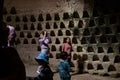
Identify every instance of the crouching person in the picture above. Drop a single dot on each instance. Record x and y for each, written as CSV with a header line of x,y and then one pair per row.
x,y
44,71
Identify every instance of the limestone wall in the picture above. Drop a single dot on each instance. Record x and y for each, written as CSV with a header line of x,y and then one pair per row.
x,y
96,34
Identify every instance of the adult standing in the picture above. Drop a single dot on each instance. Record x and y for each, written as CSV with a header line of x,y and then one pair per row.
x,y
67,47
11,65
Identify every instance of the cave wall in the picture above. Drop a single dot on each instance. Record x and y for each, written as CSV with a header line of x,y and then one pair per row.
x,y
93,26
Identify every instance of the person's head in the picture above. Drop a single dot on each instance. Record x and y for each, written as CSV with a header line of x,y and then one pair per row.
x,y
67,40
4,32
63,55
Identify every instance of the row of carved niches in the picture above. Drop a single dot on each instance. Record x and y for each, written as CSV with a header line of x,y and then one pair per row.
x,y
96,12
100,67
113,29
58,33
85,40
103,39
99,50
107,50
48,25
104,58
66,15
102,30
97,31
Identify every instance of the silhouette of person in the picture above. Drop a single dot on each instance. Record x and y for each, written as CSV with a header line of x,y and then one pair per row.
x,y
11,65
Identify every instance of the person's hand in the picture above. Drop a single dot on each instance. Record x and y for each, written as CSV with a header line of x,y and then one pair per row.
x,y
45,32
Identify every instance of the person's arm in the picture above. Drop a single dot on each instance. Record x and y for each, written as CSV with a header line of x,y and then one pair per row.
x,y
44,37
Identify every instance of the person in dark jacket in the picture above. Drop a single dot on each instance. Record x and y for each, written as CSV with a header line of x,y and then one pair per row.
x,y
11,65
44,71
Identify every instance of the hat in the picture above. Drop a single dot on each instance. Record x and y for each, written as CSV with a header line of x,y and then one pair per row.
x,y
43,57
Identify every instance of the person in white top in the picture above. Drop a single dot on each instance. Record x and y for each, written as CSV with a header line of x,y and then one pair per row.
x,y
11,34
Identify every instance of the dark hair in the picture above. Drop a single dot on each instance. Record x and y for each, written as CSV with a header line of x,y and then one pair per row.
x,y
44,33
65,39
63,55
4,32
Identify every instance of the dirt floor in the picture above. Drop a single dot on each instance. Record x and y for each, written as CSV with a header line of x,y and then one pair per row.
x,y
31,72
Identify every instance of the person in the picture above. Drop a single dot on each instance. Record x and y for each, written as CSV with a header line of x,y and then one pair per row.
x,y
67,47
64,67
11,37
11,65
44,71
44,41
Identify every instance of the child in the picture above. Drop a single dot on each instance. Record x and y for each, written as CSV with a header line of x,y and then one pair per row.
x,y
64,67
44,41
45,73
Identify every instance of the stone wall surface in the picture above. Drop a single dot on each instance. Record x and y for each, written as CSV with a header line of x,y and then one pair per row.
x,y
95,33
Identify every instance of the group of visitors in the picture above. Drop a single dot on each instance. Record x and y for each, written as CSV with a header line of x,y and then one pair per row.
x,y
44,71
12,67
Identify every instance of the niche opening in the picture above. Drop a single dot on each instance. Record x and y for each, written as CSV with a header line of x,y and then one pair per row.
x,y
25,27
55,25
95,58
79,49
100,50
90,49
71,24
85,14
17,28
90,66
32,18
48,17
75,14
25,41
80,24
111,68
21,35
13,10
39,27
99,67
52,33
110,50
62,25
33,41
56,17
53,48
117,59
40,17
47,25
65,16
57,41
60,33
25,19
105,58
